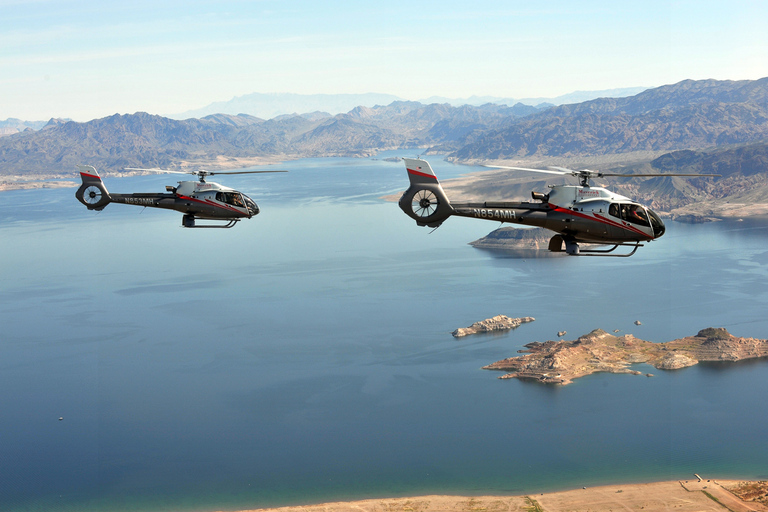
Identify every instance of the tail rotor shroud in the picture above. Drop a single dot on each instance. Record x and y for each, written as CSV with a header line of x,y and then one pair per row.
x,y
92,194
424,203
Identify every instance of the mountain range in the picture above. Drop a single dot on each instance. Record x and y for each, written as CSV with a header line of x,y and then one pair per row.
x,y
689,114
145,140
272,105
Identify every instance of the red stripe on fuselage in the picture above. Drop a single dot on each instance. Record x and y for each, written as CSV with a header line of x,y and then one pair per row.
x,y
90,176
423,174
600,218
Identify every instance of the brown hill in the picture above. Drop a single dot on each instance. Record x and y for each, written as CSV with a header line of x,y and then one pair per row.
x,y
689,114
144,140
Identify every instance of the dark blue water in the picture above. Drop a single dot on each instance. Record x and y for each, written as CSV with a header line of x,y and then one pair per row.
x,y
306,355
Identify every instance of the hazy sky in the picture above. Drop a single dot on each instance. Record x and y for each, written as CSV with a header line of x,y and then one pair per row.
x,y
90,59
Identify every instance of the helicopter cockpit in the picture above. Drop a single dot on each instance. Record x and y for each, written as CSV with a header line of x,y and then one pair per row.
x,y
232,198
638,214
239,200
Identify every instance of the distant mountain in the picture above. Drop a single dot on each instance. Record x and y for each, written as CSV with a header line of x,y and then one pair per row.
x,y
541,102
13,125
689,114
267,106
238,120
144,140
136,140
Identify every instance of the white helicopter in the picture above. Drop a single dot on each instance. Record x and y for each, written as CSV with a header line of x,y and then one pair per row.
x,y
577,214
195,199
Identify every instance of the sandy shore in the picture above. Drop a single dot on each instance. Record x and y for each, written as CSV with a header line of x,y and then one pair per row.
x,y
683,496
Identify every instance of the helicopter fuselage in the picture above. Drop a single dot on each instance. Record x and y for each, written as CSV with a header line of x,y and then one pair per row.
x,y
585,214
577,214
195,199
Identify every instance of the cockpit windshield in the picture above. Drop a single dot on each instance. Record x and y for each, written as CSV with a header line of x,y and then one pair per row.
x,y
657,224
633,213
253,209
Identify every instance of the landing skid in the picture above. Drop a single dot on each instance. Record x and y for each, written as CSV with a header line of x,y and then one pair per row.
x,y
188,221
572,248
604,252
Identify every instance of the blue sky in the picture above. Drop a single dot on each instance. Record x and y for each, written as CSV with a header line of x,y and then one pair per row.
x,y
89,59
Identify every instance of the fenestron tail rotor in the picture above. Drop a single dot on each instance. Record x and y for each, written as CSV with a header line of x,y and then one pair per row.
x,y
424,203
92,194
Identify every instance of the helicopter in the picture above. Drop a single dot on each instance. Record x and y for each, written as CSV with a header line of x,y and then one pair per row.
x,y
197,200
577,214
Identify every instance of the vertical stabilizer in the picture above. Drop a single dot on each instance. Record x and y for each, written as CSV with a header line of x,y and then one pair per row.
x,y
92,193
424,201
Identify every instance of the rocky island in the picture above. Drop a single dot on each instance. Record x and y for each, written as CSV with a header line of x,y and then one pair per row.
x,y
497,323
559,362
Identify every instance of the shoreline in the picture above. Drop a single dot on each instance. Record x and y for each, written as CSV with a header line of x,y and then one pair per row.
x,y
71,179
694,495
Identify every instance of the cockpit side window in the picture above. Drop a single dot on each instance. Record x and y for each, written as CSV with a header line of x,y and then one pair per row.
x,y
232,198
633,213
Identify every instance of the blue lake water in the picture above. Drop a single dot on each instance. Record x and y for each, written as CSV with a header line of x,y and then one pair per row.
x,y
305,355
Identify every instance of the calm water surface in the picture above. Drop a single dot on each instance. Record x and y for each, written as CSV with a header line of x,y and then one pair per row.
x,y
306,355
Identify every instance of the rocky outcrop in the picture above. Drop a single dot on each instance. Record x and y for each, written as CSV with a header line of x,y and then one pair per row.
x,y
559,362
675,361
497,323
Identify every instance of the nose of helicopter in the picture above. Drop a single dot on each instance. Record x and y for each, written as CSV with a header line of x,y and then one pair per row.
x,y
253,208
657,224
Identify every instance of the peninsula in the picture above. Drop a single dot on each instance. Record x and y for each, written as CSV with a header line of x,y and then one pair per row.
x,y
560,362
497,323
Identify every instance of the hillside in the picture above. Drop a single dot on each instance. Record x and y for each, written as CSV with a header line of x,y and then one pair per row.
x,y
686,115
145,140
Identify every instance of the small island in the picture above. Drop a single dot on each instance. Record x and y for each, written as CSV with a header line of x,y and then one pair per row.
x,y
497,323
560,362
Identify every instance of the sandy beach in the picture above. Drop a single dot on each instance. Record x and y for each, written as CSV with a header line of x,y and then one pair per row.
x,y
684,496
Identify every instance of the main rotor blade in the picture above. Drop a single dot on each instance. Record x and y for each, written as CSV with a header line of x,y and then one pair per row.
x,y
598,174
571,171
157,170
560,173
212,173
653,175
196,173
